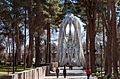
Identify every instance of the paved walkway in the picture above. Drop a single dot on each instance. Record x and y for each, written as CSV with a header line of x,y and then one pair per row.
x,y
75,73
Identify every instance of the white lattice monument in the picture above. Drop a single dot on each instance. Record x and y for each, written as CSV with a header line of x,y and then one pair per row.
x,y
70,50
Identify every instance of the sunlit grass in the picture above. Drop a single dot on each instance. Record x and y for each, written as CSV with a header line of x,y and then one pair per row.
x,y
5,70
4,73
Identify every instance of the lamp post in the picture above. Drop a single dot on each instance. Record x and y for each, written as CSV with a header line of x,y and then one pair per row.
x,y
101,58
13,53
13,16
25,41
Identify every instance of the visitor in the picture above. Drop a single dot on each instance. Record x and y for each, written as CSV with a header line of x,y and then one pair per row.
x,y
70,67
64,72
88,73
57,72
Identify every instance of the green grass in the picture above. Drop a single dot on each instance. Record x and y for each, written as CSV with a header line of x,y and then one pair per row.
x,y
5,70
4,73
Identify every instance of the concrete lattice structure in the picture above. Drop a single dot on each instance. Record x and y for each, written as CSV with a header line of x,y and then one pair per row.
x,y
70,50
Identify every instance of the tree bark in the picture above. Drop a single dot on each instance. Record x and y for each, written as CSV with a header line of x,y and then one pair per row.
x,y
30,50
91,15
31,40
114,41
17,36
92,46
38,55
87,46
108,53
18,47
92,21
48,51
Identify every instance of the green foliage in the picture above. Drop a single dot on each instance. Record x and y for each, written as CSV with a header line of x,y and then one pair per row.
x,y
46,11
53,8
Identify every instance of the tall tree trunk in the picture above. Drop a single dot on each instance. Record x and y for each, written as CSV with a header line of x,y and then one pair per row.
x,y
30,50
17,38
107,50
38,55
108,54
114,41
91,15
18,47
92,21
48,51
92,46
87,46
31,41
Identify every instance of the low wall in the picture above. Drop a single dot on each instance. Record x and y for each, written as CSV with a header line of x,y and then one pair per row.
x,y
37,73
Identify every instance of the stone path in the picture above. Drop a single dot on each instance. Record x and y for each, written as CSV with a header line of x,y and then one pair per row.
x,y
75,73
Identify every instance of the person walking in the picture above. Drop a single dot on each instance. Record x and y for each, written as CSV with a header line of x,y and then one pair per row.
x,y
88,73
70,67
57,72
64,72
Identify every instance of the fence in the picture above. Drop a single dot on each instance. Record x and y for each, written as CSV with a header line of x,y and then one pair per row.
x,y
37,73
